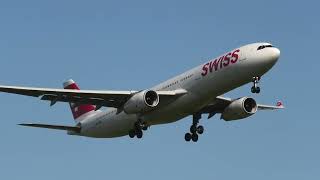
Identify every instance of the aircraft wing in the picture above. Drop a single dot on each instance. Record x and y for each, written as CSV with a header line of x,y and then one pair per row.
x,y
220,103
99,98
268,107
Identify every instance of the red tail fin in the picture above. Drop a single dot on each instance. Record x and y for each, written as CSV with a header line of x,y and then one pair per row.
x,y
79,110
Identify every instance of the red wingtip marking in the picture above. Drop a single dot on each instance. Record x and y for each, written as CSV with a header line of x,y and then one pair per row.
x,y
279,103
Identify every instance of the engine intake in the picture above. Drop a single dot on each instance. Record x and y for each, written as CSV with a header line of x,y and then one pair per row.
x,y
239,109
141,102
151,98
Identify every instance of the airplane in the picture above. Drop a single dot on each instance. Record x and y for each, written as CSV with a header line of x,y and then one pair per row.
x,y
193,93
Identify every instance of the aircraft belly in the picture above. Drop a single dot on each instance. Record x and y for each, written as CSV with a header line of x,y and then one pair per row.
x,y
113,126
182,107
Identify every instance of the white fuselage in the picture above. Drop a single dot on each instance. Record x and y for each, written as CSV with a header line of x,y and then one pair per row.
x,y
202,83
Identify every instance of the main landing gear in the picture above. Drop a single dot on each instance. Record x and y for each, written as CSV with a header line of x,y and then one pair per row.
x,y
195,130
137,130
255,88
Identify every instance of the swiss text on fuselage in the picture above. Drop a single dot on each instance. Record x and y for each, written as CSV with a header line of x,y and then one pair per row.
x,y
221,62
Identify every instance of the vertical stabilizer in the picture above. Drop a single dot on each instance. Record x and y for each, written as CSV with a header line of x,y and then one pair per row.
x,y
80,112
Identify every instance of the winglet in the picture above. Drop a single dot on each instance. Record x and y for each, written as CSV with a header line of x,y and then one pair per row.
x,y
280,104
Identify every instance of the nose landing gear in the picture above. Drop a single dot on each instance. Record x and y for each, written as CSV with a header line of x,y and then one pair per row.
x,y
255,88
195,130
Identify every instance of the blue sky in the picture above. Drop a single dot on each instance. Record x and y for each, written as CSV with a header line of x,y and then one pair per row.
x,y
122,45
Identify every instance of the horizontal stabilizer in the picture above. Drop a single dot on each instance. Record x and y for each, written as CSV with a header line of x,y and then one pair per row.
x,y
57,127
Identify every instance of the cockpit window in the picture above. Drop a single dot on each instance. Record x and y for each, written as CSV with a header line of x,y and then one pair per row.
x,y
264,46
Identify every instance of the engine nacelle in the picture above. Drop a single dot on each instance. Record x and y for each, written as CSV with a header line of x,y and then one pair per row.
x,y
141,102
239,109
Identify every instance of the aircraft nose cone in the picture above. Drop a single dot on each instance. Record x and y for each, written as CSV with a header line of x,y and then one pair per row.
x,y
274,55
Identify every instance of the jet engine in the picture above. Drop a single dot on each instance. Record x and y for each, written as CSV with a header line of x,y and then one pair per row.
x,y
141,102
239,109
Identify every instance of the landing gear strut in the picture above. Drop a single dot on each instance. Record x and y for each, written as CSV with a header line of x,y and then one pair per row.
x,y
255,88
195,130
137,130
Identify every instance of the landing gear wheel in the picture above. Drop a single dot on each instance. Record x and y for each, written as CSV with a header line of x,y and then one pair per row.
x,y
132,133
258,90
200,129
187,137
139,134
145,128
194,137
253,89
193,128
137,125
